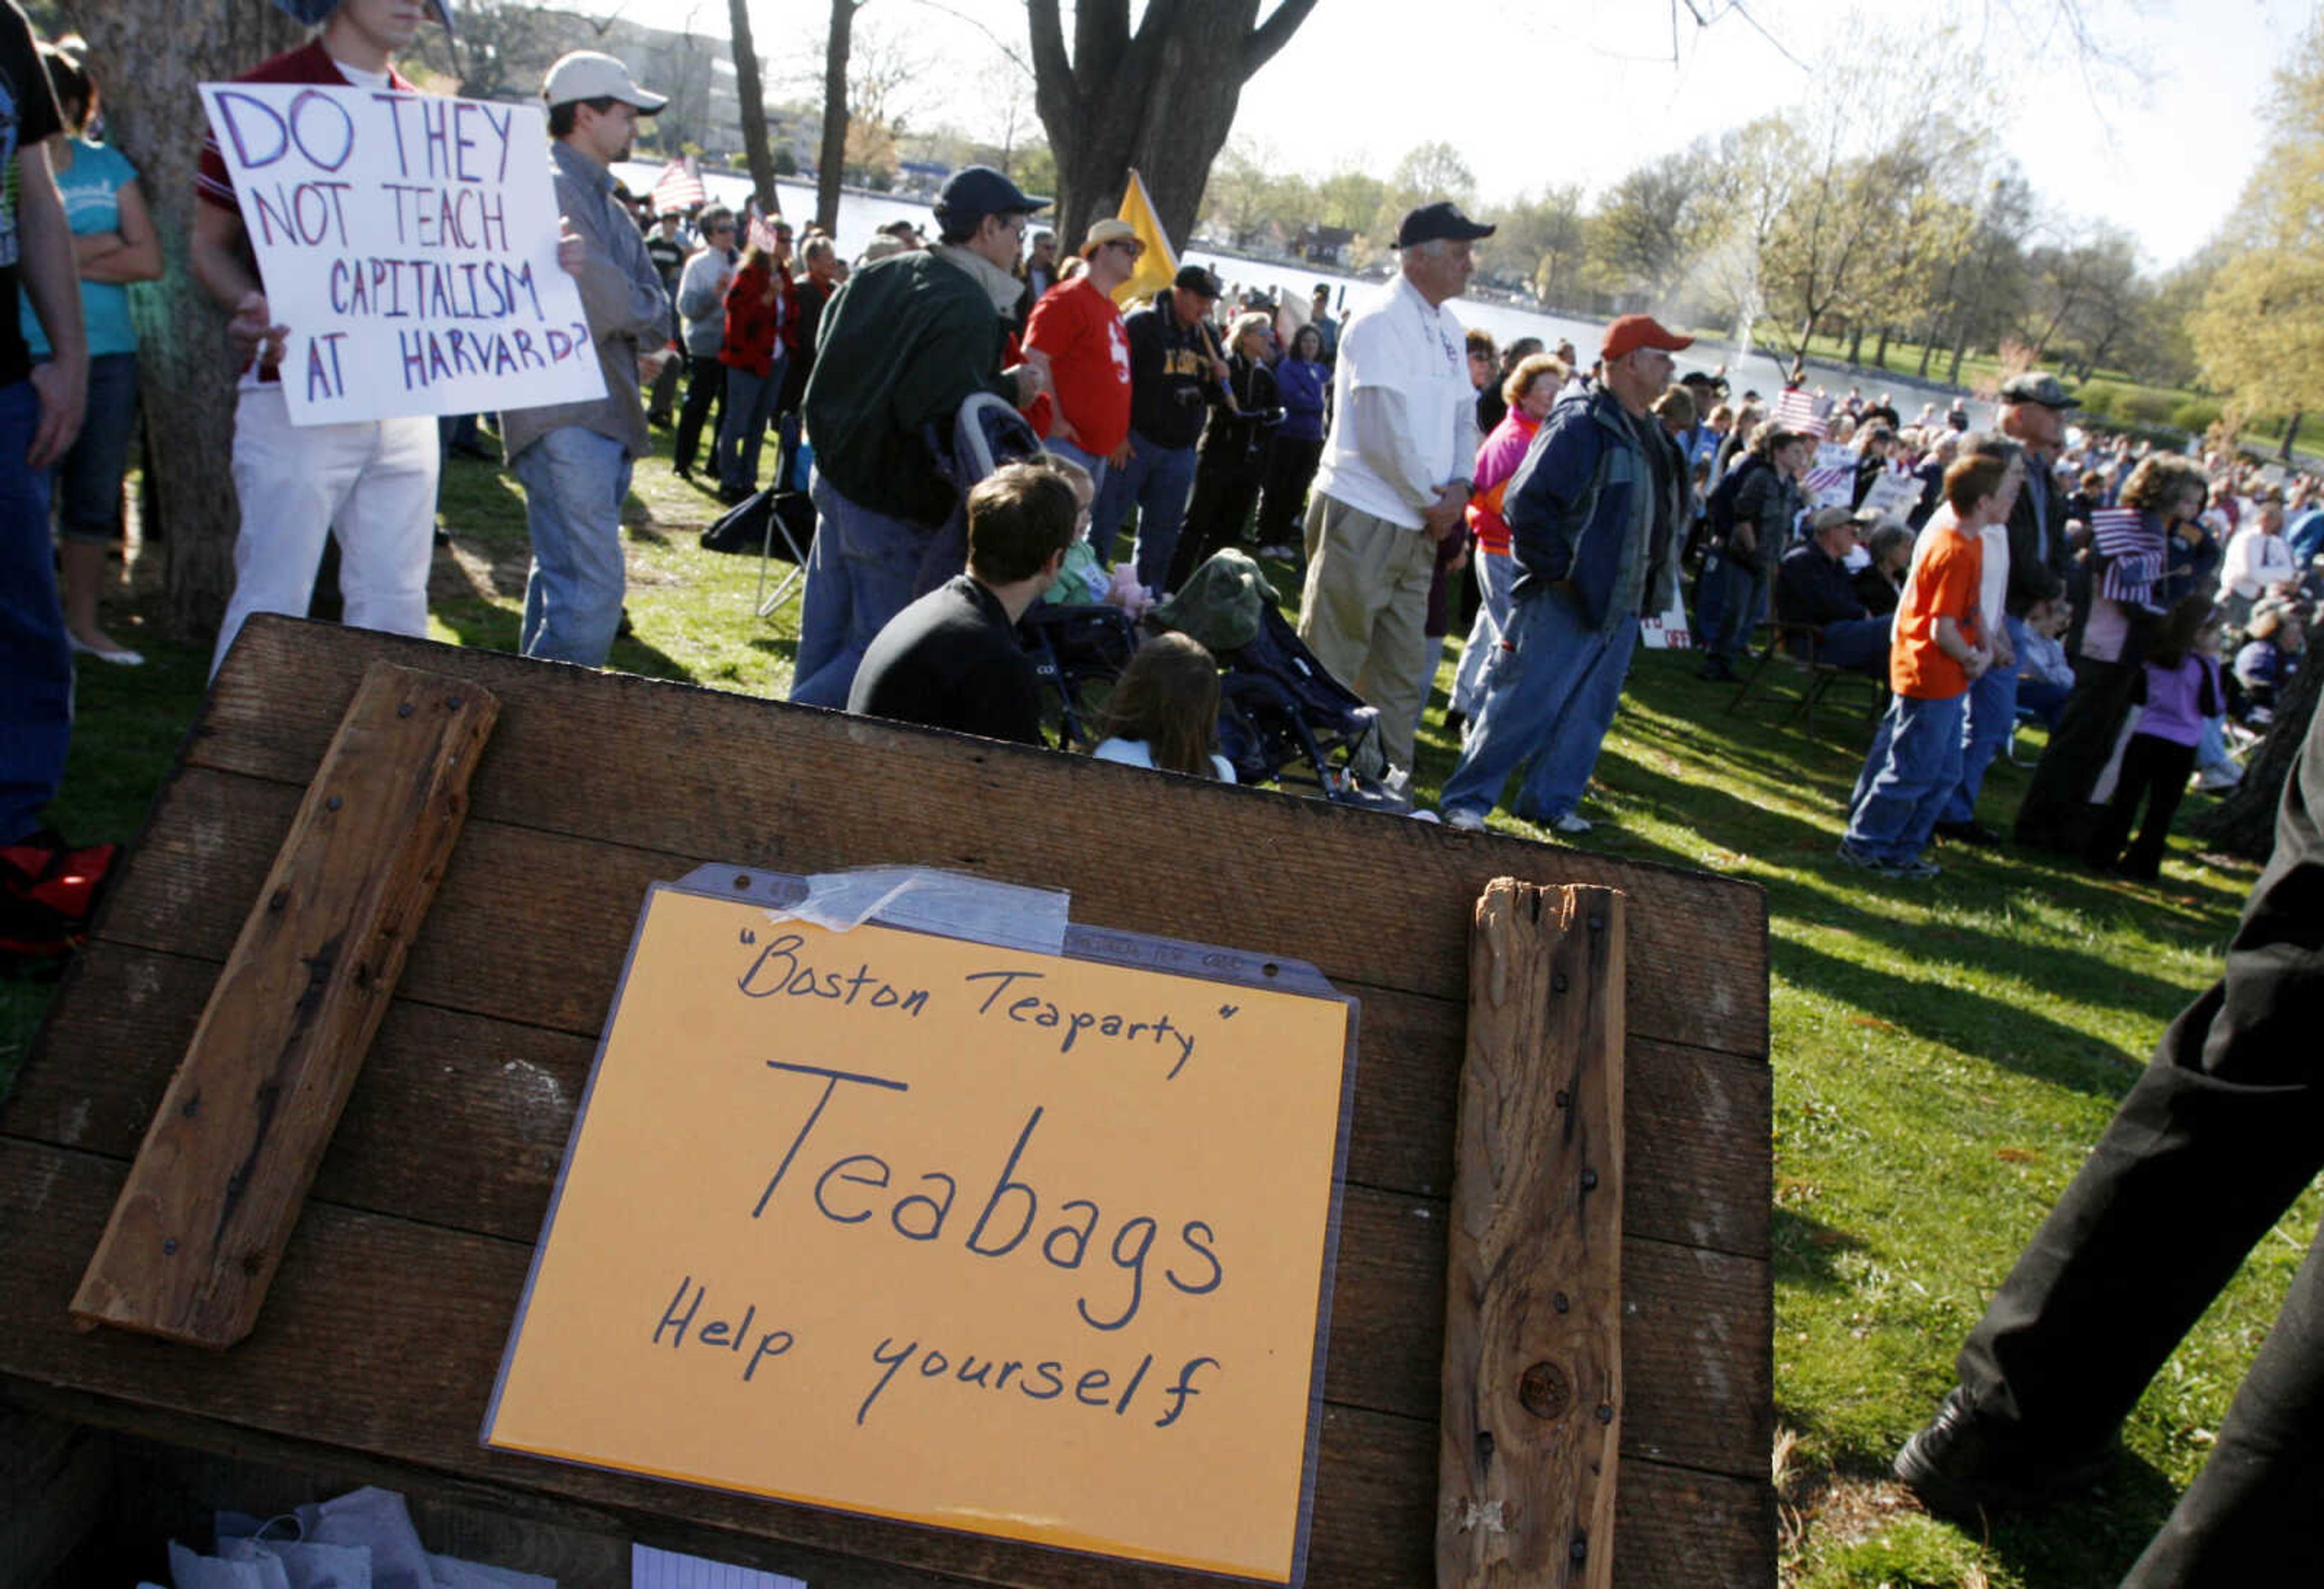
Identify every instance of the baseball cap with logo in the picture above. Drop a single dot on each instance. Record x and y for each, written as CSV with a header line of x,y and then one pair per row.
x,y
1441,220
586,74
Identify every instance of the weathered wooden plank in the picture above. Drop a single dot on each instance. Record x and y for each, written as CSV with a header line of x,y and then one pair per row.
x,y
380,1341
1534,1370
194,1241
498,1098
497,1094
711,776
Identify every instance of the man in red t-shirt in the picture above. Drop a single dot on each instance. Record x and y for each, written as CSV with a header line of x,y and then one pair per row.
x,y
375,479
1077,327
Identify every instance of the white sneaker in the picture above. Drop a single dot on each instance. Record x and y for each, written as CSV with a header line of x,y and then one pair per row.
x,y
1569,823
1463,821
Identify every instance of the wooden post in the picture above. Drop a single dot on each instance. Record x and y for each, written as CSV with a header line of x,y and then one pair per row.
x,y
1532,1411
201,1222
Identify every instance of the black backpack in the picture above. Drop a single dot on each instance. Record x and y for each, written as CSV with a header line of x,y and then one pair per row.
x,y
1719,508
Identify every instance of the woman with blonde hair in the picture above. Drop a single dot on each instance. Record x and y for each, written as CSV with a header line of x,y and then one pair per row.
x,y
1530,391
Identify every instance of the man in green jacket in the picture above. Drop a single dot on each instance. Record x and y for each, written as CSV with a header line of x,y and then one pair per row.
x,y
903,343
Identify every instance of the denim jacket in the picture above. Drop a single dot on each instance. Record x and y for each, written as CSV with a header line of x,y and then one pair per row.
x,y
1570,505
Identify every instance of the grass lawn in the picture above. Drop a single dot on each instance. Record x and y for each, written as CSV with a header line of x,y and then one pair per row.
x,y
1944,1053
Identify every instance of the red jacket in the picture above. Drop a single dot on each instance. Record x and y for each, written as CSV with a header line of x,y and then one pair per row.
x,y
753,322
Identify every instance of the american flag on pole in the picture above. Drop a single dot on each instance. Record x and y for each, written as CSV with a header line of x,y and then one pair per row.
x,y
1797,410
2133,551
760,232
678,188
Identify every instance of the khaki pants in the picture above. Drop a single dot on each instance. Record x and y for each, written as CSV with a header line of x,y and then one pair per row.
x,y
1363,610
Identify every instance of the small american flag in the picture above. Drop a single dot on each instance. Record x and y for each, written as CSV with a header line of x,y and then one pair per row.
x,y
761,233
1828,488
678,188
2133,551
1797,410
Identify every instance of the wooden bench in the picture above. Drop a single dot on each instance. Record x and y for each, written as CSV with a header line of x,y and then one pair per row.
x,y
375,1351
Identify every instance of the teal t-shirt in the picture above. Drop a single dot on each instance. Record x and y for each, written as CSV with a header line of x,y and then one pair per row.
x,y
92,194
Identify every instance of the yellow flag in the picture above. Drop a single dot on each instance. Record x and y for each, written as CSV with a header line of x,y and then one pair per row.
x,y
1159,264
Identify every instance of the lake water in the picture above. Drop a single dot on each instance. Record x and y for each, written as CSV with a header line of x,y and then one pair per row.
x,y
862,213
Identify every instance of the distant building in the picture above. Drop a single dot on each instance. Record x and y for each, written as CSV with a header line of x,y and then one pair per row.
x,y
1319,244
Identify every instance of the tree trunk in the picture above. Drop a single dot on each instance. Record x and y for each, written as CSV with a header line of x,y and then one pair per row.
x,y
1856,344
831,163
2290,435
149,54
2244,823
1960,347
750,94
1880,354
1928,348
1161,101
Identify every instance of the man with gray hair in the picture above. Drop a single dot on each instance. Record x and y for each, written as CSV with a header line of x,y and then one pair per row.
x,y
1395,475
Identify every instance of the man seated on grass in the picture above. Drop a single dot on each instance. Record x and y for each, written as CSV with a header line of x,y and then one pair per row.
x,y
1938,652
1812,586
951,659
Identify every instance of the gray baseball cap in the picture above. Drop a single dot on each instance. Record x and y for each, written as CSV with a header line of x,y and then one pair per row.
x,y
2038,387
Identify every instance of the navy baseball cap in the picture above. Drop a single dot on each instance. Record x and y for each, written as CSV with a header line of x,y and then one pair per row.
x,y
1441,219
973,192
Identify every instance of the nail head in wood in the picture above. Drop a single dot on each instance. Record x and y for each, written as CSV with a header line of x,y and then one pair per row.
x,y
332,804
1544,1391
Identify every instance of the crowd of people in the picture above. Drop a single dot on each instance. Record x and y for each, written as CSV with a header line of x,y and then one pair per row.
x,y
1422,481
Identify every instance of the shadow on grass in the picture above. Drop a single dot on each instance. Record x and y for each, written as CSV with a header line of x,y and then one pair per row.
x,y
1807,1250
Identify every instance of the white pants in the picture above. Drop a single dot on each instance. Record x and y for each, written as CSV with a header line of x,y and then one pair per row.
x,y
373,483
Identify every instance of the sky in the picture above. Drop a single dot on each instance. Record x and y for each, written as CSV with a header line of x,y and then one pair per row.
x,y
2162,152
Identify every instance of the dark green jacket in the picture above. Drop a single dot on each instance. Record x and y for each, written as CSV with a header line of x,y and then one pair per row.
x,y
903,343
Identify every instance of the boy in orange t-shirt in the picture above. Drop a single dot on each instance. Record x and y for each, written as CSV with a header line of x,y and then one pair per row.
x,y
1938,650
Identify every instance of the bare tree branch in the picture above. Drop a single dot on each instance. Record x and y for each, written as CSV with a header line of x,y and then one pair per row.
x,y
1271,35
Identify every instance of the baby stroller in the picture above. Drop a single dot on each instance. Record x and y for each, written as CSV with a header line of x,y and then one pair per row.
x,y
1282,718
1078,650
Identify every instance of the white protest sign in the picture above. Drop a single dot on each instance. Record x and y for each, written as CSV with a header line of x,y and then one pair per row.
x,y
1894,494
1666,630
409,241
1830,481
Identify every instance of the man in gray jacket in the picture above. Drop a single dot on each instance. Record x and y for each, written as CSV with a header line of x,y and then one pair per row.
x,y
702,312
573,459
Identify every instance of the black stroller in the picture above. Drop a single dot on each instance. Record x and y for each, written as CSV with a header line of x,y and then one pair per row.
x,y
1282,718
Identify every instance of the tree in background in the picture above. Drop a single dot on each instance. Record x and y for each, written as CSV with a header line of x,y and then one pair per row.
x,y
1161,99
149,54
750,94
1650,225
1539,242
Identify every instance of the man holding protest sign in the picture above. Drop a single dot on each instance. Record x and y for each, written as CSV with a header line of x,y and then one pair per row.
x,y
374,478
573,459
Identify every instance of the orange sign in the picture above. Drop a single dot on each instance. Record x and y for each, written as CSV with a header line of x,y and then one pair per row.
x,y
1016,1244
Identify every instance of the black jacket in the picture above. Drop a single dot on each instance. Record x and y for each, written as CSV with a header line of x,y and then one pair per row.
x,y
1170,375
2034,576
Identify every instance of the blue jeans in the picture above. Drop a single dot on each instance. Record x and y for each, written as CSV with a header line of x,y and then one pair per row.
x,y
574,481
87,483
1551,689
1911,769
1158,479
1089,461
742,426
860,573
1857,643
1727,601
1992,719
36,675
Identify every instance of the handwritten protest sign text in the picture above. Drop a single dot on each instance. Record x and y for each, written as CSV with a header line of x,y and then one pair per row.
x,y
940,1231
409,241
